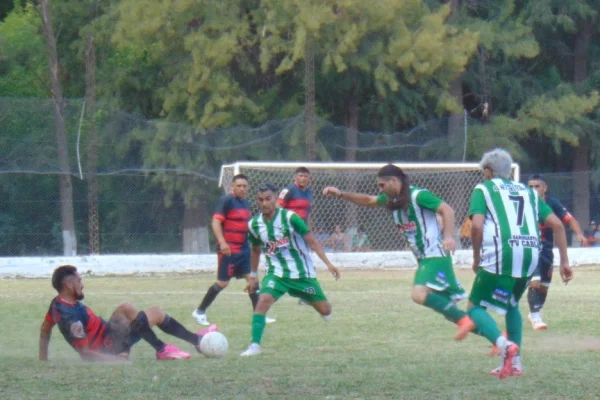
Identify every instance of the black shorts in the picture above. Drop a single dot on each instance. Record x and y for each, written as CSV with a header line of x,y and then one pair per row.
x,y
543,272
233,266
118,337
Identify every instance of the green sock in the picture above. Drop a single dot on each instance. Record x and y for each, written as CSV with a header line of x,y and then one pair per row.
x,y
486,326
514,326
444,306
258,326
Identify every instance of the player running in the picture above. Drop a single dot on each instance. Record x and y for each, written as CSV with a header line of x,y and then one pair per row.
x,y
285,239
297,196
505,234
230,227
414,211
542,277
98,340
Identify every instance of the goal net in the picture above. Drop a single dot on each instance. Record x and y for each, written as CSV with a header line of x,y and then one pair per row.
x,y
451,182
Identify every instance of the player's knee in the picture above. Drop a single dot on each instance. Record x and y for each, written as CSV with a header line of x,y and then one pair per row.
x,y
265,301
542,289
128,310
419,294
325,310
222,284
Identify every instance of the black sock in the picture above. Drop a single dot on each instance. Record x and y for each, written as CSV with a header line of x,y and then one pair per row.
x,y
210,296
254,297
142,328
174,328
542,298
534,300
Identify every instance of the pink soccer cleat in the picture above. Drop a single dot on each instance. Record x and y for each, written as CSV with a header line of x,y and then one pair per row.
x,y
211,328
171,352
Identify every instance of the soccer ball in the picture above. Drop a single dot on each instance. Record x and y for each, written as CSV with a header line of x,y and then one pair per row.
x,y
214,345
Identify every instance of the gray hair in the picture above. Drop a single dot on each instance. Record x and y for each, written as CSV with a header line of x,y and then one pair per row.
x,y
499,161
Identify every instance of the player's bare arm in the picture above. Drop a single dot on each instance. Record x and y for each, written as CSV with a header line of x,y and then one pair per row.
x,y
45,334
477,238
560,240
254,261
314,244
575,227
361,199
217,228
447,214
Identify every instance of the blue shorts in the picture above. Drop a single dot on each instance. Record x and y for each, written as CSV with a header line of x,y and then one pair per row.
x,y
118,337
543,272
233,266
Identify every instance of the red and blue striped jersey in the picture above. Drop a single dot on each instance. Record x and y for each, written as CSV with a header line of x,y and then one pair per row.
x,y
297,200
234,214
78,324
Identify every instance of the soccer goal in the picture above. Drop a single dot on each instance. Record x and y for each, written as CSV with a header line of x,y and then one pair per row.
x,y
453,182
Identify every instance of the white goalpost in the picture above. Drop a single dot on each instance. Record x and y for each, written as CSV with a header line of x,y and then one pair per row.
x,y
452,182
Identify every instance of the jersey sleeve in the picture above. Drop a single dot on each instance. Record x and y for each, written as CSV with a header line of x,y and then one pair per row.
x,y
284,197
252,235
48,317
382,199
543,210
428,200
222,208
299,225
560,210
477,204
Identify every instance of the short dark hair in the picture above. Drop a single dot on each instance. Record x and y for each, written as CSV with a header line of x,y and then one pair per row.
x,y
59,275
390,170
537,177
302,170
264,187
239,176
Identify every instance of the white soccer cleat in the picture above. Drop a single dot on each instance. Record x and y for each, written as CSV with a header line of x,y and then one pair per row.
x,y
536,322
252,350
270,320
200,318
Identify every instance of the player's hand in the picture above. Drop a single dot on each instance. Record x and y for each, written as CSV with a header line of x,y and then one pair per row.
x,y
566,273
583,240
334,271
251,285
332,191
225,249
449,244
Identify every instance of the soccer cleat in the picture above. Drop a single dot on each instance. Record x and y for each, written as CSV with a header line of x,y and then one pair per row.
x,y
517,370
270,320
465,326
200,318
536,322
252,350
509,351
170,352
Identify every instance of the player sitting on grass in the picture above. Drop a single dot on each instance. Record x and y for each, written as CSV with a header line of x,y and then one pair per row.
x,y
414,212
284,238
98,340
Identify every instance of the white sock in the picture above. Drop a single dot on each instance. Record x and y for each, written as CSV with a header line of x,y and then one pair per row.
x,y
535,315
501,342
327,318
517,360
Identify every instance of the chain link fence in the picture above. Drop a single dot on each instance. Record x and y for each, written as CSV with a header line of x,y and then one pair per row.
x,y
158,180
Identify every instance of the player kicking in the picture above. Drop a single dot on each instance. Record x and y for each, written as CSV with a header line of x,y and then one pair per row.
x,y
505,236
230,227
284,238
98,340
414,212
542,277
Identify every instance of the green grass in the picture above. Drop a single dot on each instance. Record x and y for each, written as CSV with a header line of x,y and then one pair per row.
x,y
379,345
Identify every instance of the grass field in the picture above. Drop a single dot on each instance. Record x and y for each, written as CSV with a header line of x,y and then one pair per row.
x,y
379,345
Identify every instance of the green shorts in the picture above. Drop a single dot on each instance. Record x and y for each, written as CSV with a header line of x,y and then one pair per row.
x,y
498,292
437,274
307,289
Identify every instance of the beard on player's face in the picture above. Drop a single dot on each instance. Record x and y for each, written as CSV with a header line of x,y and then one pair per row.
x,y
79,296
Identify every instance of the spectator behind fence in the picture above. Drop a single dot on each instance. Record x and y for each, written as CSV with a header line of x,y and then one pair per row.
x,y
338,240
593,235
361,241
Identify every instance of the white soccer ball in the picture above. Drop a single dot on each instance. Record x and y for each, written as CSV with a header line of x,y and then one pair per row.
x,y
214,345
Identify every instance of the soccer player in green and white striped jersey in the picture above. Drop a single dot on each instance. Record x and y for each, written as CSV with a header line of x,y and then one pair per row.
x,y
285,238
506,243
414,211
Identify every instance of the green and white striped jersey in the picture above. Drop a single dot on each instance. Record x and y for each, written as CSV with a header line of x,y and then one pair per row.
x,y
418,223
286,253
511,236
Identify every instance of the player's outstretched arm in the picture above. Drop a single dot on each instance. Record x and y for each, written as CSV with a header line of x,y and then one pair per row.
x,y
560,240
45,333
254,261
314,244
361,199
